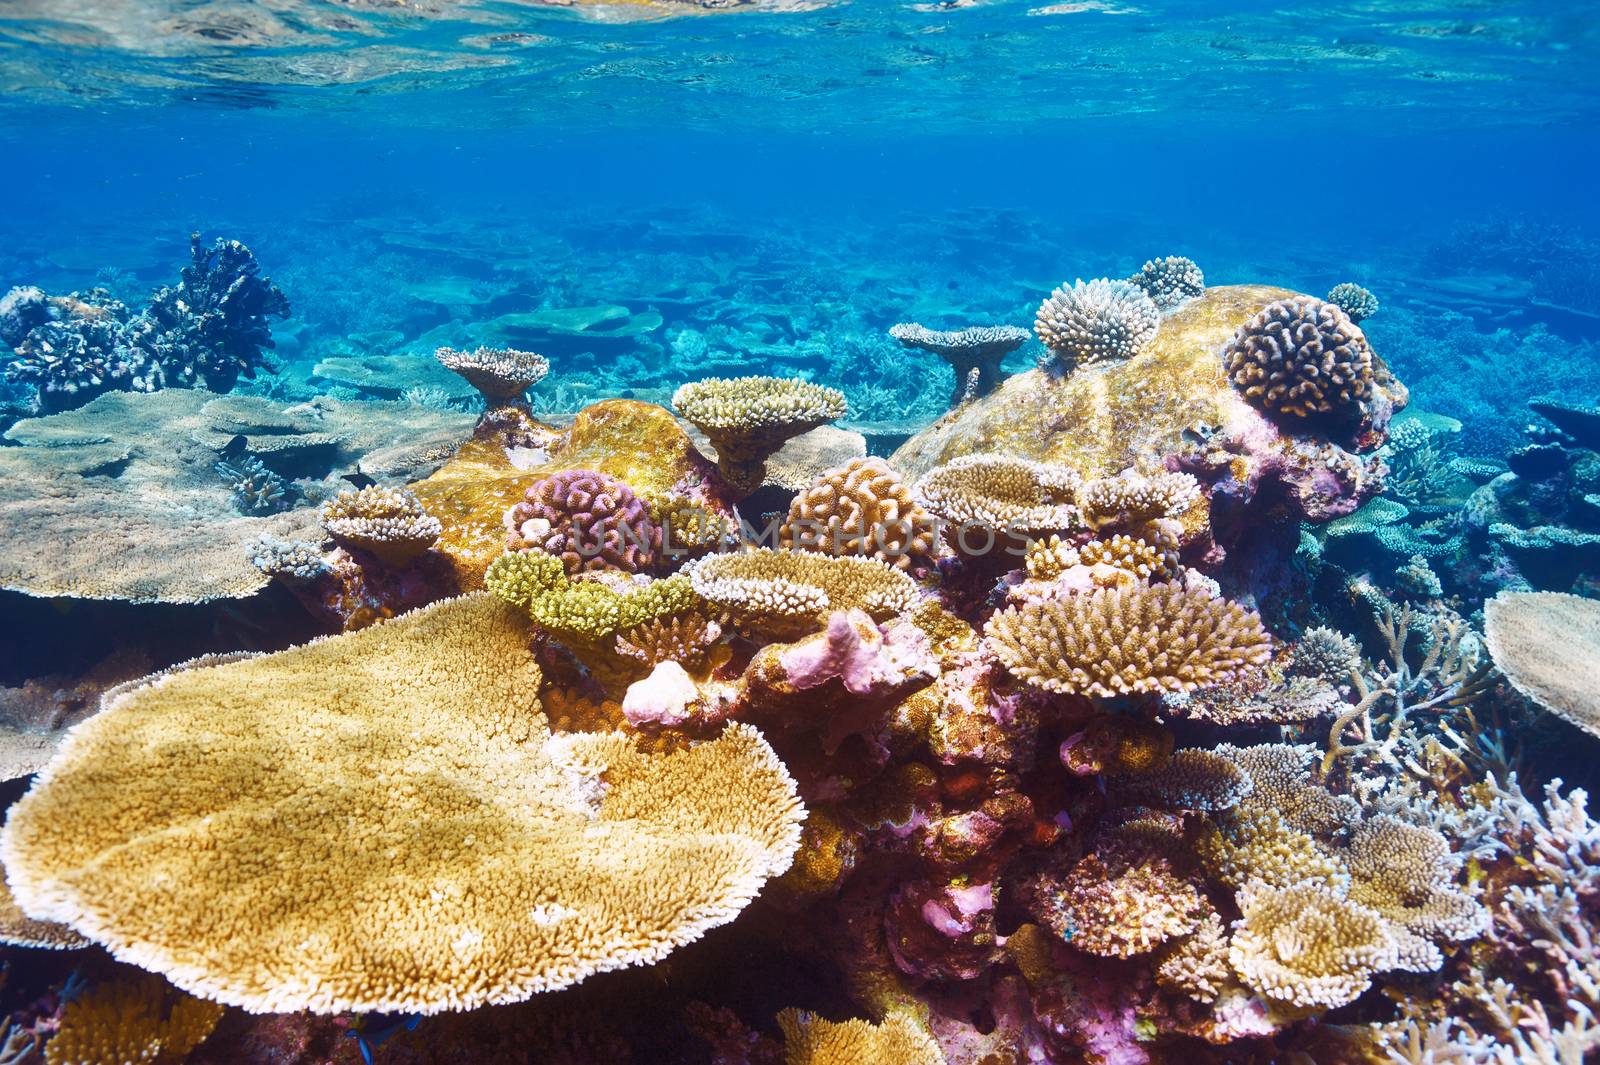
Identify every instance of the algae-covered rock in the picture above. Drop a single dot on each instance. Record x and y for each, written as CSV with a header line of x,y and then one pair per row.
x,y
1108,416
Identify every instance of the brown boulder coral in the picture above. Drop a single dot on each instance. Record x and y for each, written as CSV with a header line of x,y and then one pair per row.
x,y
501,375
389,523
749,418
1302,359
1115,641
383,821
860,508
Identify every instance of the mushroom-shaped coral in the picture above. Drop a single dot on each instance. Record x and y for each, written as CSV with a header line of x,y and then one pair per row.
x,y
979,349
860,508
587,519
383,821
788,593
1302,359
501,375
1170,280
1115,641
749,418
998,493
1095,320
1353,300
389,523
1132,498
1548,646
1307,948
899,1040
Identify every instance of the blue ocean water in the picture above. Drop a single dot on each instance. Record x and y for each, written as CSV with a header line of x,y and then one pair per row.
x,y
652,193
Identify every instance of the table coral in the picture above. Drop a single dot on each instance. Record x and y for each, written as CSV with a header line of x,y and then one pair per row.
x,y
975,353
791,592
501,375
587,519
1132,498
749,418
265,793
1115,642
1000,494
1089,321
861,508
1548,646
388,523
1307,948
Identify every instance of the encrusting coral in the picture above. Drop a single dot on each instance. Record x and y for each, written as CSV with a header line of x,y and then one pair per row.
x,y
264,794
389,523
749,418
1090,321
975,354
501,375
1302,358
1170,280
587,519
861,508
1115,641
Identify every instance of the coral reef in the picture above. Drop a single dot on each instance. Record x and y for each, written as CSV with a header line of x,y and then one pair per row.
x,y
388,523
501,375
1548,646
1095,320
1302,359
788,592
975,353
129,1020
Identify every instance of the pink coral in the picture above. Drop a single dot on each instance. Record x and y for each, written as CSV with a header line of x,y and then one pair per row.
x,y
589,520
865,659
942,931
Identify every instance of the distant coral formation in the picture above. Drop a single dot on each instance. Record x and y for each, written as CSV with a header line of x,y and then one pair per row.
x,y
1170,280
974,353
1353,300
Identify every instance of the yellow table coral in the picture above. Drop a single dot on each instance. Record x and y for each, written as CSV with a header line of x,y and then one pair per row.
x,y
383,821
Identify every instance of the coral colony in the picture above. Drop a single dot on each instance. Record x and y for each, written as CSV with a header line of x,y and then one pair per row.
x,y
1137,710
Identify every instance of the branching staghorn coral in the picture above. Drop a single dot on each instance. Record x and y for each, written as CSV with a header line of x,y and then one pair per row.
x,y
589,520
1353,300
1170,280
788,593
861,508
498,860
1197,964
501,375
1118,642
129,1020
1390,691
1139,560
686,639
256,489
975,353
1302,358
1306,948
389,523
1094,320
749,418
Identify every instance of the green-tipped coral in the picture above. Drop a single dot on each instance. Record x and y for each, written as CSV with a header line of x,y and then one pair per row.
x,y
748,418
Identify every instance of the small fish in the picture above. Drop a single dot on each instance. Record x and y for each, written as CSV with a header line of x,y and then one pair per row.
x,y
377,1028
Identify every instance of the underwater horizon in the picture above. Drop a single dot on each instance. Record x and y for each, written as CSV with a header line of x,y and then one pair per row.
x,y
799,532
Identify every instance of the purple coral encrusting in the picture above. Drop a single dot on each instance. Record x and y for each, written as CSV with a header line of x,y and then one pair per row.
x,y
590,520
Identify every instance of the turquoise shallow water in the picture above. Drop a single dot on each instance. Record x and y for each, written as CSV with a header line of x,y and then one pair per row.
x,y
999,859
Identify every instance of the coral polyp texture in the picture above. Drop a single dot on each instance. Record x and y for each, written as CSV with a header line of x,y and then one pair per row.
x,y
1117,641
501,375
1305,947
1548,645
899,1040
1001,492
749,418
861,508
1302,358
1132,498
1353,300
975,353
513,861
389,523
1170,280
587,519
1090,321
